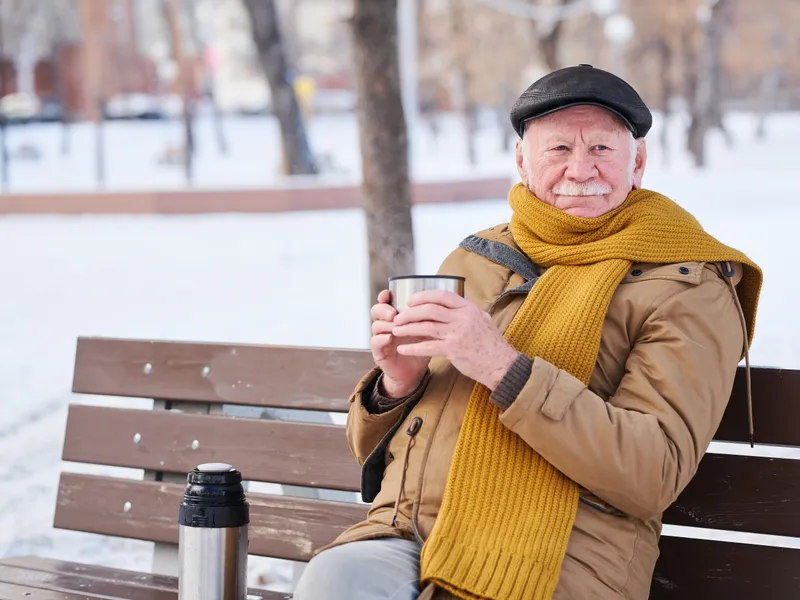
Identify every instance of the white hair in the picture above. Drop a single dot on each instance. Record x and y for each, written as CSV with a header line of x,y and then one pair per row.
x,y
632,164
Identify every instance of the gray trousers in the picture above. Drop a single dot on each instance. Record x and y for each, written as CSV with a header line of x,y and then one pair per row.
x,y
384,569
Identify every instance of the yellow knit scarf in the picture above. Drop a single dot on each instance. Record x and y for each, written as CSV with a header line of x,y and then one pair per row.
x,y
507,513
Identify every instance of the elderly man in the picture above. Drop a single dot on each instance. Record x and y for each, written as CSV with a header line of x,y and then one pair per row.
x,y
524,441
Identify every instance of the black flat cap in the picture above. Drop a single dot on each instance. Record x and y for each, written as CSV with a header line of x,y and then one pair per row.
x,y
582,85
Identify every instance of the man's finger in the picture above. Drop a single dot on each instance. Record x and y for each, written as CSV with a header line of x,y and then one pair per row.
x,y
382,312
425,349
422,329
424,312
442,297
379,327
384,297
379,343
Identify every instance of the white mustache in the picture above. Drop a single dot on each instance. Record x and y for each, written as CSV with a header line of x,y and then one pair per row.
x,y
586,188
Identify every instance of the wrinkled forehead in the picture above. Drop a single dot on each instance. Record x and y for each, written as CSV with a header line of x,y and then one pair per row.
x,y
583,120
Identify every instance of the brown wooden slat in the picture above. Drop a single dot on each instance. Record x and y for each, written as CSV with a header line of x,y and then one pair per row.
x,y
97,588
741,493
776,408
705,569
280,526
307,454
52,565
278,376
130,582
323,379
9,591
121,576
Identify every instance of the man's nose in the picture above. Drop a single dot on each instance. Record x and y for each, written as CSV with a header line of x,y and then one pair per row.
x,y
581,167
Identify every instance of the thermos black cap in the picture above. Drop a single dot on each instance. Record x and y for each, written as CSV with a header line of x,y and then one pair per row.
x,y
214,497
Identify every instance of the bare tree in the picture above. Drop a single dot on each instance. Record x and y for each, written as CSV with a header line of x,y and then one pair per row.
x,y
299,160
171,12
665,58
94,25
461,62
384,145
549,39
706,82
60,28
200,44
770,80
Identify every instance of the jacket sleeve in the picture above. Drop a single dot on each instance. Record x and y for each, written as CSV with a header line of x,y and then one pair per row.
x,y
641,448
366,429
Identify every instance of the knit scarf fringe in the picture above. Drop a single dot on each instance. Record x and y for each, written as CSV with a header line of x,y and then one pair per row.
x,y
507,513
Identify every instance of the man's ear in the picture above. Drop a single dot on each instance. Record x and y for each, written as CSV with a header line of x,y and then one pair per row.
x,y
521,167
640,164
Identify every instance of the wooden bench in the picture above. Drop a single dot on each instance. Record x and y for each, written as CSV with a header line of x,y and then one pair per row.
x,y
197,386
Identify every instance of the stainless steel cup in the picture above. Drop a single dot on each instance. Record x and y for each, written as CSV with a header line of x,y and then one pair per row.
x,y
402,288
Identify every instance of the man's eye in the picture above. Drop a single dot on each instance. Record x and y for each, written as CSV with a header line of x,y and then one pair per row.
x,y
601,147
561,148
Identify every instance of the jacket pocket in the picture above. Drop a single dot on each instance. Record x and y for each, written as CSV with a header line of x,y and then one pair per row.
x,y
592,501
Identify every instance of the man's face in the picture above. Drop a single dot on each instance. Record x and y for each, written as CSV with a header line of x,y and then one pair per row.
x,y
582,160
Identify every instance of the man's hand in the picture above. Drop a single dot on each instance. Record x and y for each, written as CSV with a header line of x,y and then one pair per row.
x,y
401,374
458,330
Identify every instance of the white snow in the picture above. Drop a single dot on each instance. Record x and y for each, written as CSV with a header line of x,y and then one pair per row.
x,y
297,278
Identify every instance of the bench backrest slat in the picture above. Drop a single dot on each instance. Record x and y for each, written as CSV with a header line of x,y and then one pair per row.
x,y
323,379
305,454
689,568
280,526
776,408
741,493
277,376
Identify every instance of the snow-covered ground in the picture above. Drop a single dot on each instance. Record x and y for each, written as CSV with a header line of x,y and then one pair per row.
x,y
297,278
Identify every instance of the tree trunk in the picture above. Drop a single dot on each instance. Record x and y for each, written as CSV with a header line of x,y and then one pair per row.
x,y
665,68
172,16
94,25
464,77
3,128
216,114
384,146
507,132
299,159
706,110
549,42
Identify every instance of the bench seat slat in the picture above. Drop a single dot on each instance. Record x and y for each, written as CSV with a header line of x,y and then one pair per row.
x,y
165,586
304,454
10,591
278,376
691,568
280,526
741,493
52,565
98,588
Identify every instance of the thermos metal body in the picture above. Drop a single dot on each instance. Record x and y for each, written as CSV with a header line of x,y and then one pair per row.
x,y
213,540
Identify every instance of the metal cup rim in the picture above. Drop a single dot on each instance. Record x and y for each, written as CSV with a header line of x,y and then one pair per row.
x,y
457,277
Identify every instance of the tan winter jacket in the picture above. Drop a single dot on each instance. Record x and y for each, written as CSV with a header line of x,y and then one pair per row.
x,y
632,440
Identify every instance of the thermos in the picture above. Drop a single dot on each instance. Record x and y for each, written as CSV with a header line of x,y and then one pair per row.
x,y
213,520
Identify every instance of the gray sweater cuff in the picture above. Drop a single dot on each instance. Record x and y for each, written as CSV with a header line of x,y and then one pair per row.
x,y
377,403
515,379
